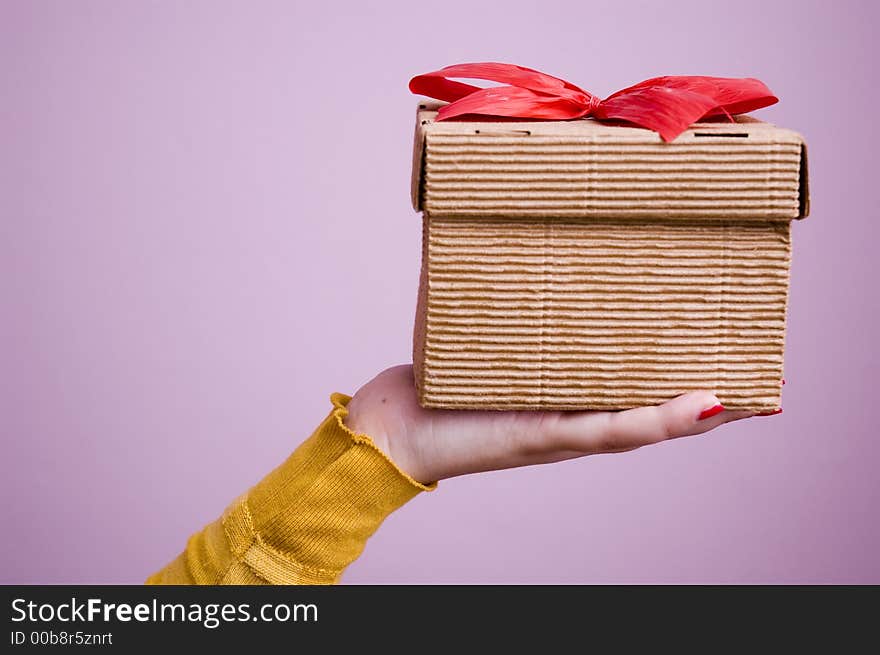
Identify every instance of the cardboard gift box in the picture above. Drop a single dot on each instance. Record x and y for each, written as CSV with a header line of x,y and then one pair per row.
x,y
584,265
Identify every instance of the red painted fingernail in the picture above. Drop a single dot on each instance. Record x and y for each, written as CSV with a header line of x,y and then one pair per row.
x,y
712,411
773,413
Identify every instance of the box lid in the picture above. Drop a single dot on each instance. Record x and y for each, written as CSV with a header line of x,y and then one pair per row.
x,y
748,169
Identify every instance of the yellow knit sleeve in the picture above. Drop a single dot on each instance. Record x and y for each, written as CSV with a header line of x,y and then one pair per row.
x,y
305,521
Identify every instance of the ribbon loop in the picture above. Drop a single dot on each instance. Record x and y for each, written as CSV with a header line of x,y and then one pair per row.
x,y
667,105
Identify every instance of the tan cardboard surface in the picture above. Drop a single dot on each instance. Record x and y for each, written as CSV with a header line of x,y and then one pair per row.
x,y
593,314
575,265
747,170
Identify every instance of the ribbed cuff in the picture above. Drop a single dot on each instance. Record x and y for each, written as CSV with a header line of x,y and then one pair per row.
x,y
311,517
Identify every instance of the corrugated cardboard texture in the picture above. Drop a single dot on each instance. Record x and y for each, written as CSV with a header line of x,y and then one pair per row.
x,y
573,265
600,314
747,170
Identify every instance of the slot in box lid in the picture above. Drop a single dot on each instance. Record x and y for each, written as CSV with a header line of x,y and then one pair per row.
x,y
747,169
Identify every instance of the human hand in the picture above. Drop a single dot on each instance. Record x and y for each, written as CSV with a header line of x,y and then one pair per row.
x,y
433,444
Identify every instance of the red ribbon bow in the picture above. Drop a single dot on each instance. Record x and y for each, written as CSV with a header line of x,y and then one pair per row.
x,y
668,105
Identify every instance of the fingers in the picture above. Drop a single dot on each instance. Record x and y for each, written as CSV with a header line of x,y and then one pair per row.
x,y
606,432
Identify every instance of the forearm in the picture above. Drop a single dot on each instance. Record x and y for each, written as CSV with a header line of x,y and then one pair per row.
x,y
306,521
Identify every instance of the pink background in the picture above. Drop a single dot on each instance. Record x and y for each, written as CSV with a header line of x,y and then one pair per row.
x,y
205,229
